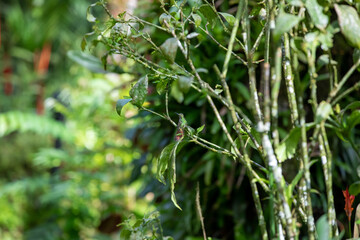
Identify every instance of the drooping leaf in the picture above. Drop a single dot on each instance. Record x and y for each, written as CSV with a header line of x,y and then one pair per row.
x,y
316,12
349,24
163,162
208,13
284,23
169,49
120,104
288,145
323,111
229,18
167,161
139,91
86,60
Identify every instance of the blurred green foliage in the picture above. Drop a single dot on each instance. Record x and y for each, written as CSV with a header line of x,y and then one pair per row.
x,y
64,171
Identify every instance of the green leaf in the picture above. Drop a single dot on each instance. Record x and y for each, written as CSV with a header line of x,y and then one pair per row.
x,y
120,104
351,121
356,56
177,93
354,188
167,161
349,24
208,13
89,15
139,91
290,188
316,13
86,60
199,129
197,19
229,18
323,111
322,228
284,23
184,83
288,145
169,49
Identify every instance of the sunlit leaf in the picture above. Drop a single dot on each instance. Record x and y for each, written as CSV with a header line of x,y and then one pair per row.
x,y
229,18
139,92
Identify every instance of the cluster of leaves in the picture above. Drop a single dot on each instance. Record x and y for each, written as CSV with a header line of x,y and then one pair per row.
x,y
173,45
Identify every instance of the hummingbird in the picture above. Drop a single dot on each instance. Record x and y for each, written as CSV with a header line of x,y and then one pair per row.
x,y
180,127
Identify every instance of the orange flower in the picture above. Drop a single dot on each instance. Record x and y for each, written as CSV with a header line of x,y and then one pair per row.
x,y
349,199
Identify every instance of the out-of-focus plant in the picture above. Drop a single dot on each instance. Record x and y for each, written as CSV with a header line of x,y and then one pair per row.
x,y
64,163
287,122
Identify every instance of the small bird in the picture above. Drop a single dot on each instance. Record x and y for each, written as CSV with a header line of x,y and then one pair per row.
x,y
180,127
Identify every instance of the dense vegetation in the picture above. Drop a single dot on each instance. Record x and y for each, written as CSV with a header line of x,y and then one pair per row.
x,y
238,119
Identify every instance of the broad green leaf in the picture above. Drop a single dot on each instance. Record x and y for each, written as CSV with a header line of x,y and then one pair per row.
x,y
323,111
139,91
197,19
169,49
229,18
284,23
316,13
184,83
86,60
354,188
322,228
120,104
349,24
177,93
288,145
208,13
